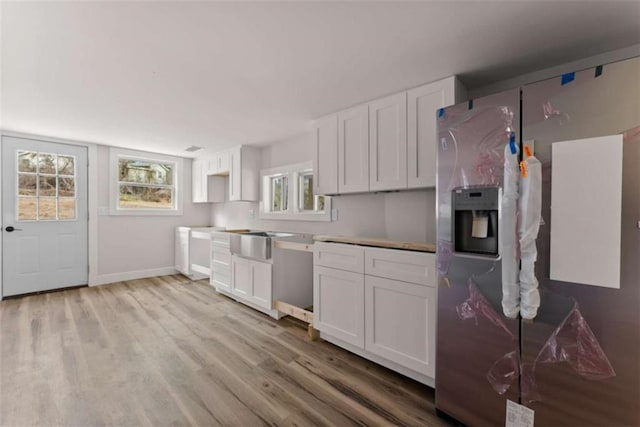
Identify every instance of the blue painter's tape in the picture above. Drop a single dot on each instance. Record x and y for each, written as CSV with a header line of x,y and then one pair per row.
x,y
441,112
512,143
567,78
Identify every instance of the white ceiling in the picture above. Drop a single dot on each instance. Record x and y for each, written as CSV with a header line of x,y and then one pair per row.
x,y
162,76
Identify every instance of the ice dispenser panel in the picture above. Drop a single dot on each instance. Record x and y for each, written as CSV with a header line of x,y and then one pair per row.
x,y
475,220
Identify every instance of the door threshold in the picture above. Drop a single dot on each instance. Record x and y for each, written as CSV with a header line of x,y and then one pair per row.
x,y
48,291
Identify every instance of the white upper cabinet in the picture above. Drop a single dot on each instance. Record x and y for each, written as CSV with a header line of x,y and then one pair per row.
x,y
205,188
388,143
244,172
353,150
219,164
197,181
325,166
423,104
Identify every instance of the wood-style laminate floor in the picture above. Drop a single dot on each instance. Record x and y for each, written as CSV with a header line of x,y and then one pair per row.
x,y
169,351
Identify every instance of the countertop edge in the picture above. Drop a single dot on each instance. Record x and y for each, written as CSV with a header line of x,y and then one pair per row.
x,y
378,243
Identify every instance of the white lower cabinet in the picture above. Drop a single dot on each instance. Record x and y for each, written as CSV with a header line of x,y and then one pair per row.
x,y
240,277
400,323
251,281
338,304
372,313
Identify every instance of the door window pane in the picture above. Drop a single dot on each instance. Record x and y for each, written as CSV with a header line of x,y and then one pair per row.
x,y
47,207
27,209
66,165
47,163
27,185
27,161
66,187
134,197
47,186
66,208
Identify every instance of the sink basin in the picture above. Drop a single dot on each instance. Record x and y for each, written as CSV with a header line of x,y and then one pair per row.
x,y
267,234
254,244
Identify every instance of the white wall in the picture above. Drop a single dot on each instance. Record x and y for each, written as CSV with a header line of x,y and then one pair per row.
x,y
139,246
406,215
547,73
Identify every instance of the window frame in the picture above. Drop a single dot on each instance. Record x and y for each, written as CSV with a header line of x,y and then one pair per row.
x,y
294,194
115,154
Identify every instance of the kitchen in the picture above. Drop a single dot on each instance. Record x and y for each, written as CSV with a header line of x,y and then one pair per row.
x,y
129,247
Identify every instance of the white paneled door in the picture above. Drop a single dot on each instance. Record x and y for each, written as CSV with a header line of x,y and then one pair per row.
x,y
44,216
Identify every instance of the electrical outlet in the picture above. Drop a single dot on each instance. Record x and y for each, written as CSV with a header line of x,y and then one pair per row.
x,y
334,214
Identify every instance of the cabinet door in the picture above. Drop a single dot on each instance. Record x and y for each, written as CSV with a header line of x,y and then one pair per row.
x,y
325,166
221,280
353,150
182,250
338,304
261,284
222,160
388,143
401,323
240,277
423,104
235,174
197,181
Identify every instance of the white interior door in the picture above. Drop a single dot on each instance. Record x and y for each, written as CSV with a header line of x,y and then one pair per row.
x,y
44,216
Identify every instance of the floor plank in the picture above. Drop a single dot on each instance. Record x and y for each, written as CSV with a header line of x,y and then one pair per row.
x,y
170,351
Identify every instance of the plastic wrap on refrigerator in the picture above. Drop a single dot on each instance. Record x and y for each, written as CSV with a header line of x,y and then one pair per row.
x,y
509,239
530,208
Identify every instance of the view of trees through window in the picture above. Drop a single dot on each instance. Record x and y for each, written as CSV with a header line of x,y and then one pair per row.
x,y
279,193
46,186
307,200
145,184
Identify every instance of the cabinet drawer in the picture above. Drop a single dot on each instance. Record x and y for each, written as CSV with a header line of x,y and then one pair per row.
x,y
220,240
340,256
221,280
413,267
220,260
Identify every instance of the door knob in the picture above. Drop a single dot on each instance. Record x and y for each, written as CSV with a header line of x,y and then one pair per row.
x,y
12,228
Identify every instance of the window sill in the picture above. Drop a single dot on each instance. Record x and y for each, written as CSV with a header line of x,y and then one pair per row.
x,y
288,216
144,212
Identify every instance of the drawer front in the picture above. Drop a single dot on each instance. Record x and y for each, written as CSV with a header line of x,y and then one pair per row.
x,y
406,266
220,260
221,280
220,239
340,256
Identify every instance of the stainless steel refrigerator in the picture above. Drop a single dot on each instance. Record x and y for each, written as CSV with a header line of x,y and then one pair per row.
x,y
577,362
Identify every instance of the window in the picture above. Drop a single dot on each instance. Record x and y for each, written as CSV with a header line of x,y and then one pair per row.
x,y
46,186
144,183
307,201
279,193
287,193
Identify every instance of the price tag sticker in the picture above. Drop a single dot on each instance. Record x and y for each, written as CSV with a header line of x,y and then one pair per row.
x,y
518,415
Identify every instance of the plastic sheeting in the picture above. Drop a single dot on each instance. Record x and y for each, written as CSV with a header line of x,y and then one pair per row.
x,y
530,207
572,341
508,233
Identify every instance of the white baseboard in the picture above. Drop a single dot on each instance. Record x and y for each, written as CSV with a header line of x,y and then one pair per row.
x,y
103,279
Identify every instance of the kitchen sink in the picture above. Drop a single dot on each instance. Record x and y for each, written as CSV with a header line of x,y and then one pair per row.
x,y
255,244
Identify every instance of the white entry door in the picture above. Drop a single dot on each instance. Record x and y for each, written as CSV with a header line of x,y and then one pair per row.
x,y
44,216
